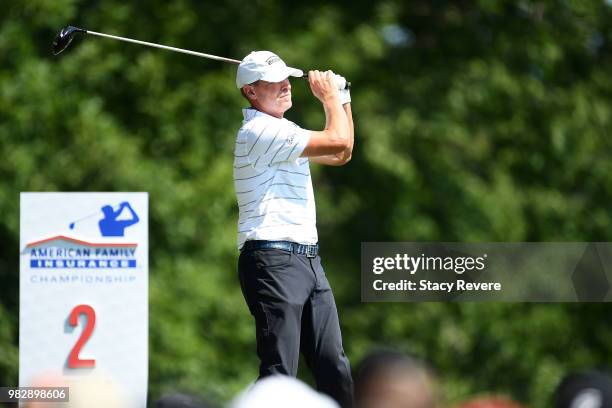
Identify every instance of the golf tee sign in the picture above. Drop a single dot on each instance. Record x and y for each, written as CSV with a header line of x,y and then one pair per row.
x,y
84,289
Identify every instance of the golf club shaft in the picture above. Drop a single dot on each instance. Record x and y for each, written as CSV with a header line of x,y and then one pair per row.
x,y
181,50
165,47
73,223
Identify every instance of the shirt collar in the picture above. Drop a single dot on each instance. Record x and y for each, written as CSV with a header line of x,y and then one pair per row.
x,y
251,113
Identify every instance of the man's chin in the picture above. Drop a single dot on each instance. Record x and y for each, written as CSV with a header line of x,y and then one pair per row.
x,y
287,105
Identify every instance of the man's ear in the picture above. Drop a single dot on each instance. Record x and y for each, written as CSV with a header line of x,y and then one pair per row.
x,y
248,92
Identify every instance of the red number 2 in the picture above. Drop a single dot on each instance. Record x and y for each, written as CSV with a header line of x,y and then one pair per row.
x,y
73,359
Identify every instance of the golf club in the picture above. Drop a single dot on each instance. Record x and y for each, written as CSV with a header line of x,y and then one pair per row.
x,y
72,224
66,35
94,214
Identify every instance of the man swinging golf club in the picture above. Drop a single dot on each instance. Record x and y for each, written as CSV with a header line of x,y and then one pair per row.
x,y
280,272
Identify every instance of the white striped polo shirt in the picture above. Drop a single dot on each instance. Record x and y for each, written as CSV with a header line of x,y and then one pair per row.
x,y
272,182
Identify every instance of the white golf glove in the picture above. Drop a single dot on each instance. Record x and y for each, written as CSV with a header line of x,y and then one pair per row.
x,y
345,94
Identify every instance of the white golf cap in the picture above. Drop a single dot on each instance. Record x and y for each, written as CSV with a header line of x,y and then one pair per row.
x,y
266,66
279,391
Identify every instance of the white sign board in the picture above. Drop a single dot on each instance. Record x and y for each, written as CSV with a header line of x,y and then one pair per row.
x,y
84,288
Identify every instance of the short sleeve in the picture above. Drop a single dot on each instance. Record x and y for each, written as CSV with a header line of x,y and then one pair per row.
x,y
275,140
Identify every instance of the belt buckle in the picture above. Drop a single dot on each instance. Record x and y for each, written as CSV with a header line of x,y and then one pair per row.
x,y
311,251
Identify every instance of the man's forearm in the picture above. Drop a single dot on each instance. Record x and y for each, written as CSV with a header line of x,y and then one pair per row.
x,y
346,154
336,120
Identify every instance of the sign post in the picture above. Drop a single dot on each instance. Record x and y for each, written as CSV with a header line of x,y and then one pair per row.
x,y
84,289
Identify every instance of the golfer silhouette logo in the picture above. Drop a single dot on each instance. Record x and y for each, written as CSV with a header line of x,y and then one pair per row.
x,y
111,226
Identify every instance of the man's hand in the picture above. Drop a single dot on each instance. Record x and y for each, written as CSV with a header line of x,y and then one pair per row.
x,y
344,94
323,85
337,136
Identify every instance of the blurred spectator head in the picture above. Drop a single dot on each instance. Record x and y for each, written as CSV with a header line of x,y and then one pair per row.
x,y
590,389
47,379
391,379
95,391
282,392
180,400
490,402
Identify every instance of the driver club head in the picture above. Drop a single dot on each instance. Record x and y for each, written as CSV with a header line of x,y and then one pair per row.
x,y
64,38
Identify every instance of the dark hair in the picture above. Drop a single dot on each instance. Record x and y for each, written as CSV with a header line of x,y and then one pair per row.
x,y
180,400
382,361
595,385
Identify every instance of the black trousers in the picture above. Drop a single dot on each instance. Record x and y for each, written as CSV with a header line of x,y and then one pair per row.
x,y
294,310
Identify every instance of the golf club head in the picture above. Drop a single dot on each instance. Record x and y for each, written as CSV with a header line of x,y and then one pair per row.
x,y
64,38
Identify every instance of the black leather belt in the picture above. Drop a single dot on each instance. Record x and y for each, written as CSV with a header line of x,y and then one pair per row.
x,y
310,251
